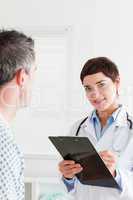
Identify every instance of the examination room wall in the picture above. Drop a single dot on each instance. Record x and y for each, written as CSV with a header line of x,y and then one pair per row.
x,y
92,28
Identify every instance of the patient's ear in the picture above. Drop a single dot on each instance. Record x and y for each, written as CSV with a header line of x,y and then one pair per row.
x,y
21,77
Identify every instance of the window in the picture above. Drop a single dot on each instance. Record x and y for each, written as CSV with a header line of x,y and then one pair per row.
x,y
47,114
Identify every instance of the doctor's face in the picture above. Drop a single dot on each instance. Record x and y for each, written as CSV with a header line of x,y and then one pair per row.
x,y
101,91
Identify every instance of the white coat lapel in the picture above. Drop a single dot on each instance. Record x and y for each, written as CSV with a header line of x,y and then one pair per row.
x,y
115,137
88,130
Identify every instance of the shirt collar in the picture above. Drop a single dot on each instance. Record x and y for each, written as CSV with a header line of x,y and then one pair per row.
x,y
112,118
120,116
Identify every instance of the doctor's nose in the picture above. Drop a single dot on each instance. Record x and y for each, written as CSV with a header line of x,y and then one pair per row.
x,y
94,94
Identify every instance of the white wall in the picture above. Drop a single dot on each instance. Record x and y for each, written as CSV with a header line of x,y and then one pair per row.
x,y
99,28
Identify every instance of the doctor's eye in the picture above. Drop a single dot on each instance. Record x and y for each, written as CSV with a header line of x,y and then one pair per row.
x,y
88,89
102,84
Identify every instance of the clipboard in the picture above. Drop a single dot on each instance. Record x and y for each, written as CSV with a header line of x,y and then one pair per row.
x,y
81,150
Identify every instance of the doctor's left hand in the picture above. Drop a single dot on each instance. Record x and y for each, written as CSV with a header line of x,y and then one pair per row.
x,y
110,160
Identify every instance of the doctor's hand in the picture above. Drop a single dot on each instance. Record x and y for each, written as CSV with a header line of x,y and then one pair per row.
x,y
69,168
110,160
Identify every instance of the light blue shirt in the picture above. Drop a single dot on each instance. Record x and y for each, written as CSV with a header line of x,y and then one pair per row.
x,y
99,131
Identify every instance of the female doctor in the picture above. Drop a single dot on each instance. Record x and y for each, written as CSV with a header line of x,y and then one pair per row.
x,y
109,127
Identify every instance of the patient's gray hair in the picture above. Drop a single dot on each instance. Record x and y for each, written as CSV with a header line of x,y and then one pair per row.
x,y
16,52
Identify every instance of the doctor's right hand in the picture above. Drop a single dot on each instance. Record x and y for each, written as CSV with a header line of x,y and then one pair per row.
x,y
69,168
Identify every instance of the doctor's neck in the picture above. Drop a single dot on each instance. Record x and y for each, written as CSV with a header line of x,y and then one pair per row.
x,y
104,115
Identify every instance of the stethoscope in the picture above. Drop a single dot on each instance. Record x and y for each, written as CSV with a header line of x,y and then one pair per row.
x,y
128,119
115,147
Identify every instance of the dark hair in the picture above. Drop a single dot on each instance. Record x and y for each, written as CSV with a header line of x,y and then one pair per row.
x,y
16,51
100,64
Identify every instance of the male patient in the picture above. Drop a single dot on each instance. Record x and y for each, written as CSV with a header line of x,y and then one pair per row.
x,y
17,67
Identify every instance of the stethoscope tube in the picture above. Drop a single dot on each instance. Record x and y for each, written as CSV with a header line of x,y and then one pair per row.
x,y
130,121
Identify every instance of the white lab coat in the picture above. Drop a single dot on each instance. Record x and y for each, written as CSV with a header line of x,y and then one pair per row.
x,y
118,137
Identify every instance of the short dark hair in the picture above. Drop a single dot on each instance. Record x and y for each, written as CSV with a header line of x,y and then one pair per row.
x,y
100,64
16,51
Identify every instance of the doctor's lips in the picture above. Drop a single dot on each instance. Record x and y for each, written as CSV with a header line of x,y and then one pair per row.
x,y
98,101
